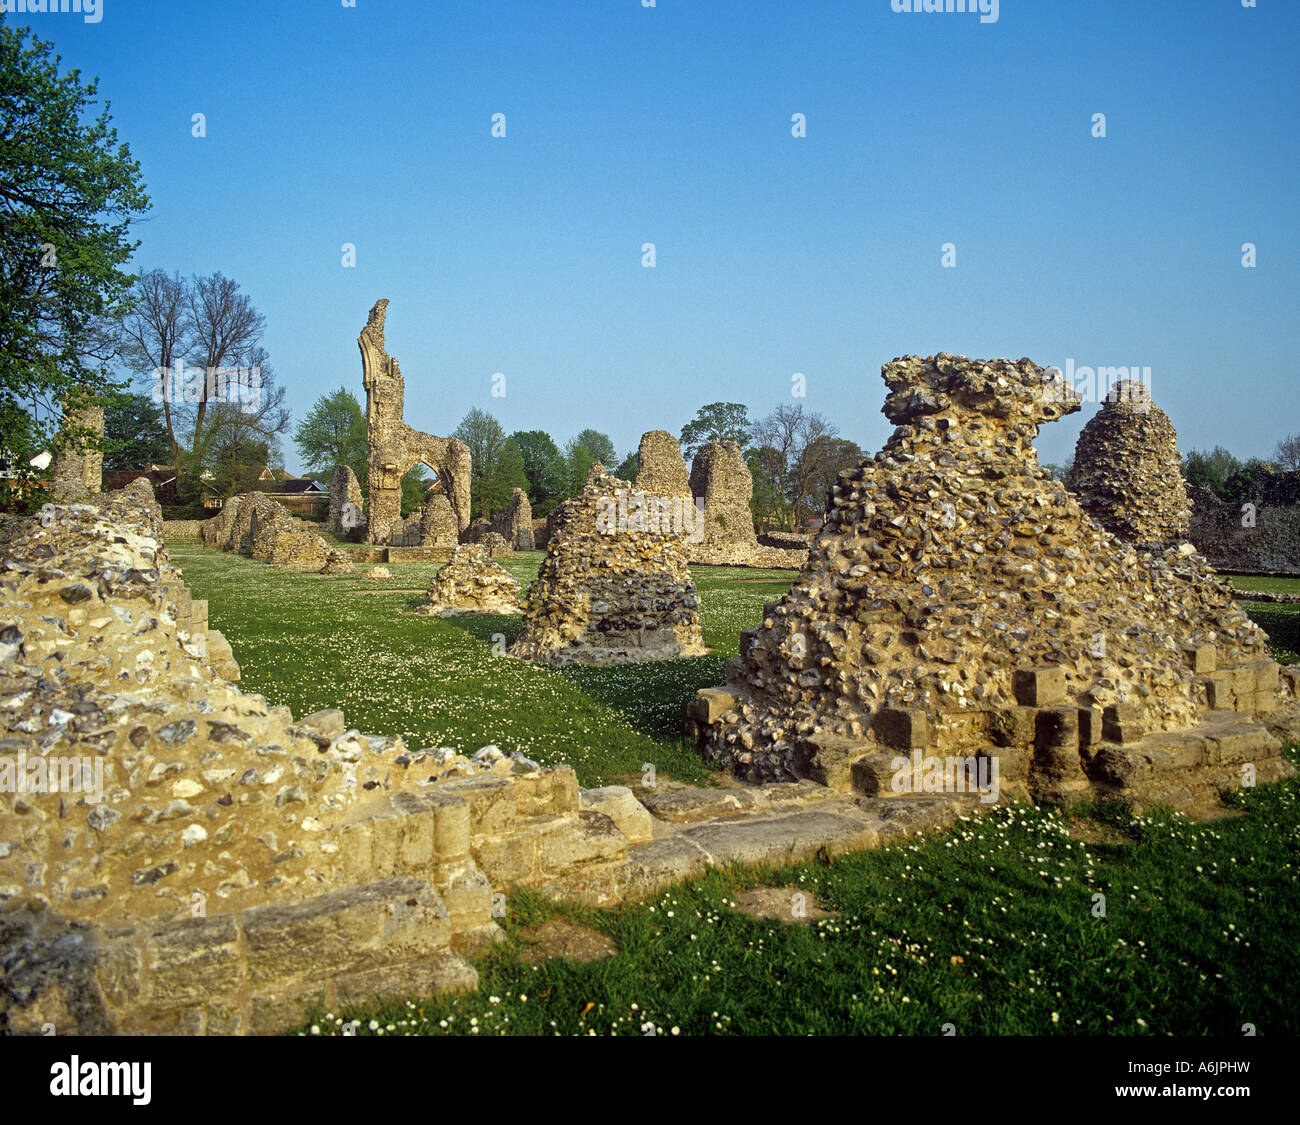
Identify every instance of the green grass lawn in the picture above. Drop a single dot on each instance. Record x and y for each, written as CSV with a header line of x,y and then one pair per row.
x,y
1280,622
993,927
311,641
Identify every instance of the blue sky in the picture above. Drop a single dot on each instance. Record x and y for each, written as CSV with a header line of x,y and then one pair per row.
x,y
820,255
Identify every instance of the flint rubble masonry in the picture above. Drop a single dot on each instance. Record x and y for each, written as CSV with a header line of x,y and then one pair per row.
x,y
959,601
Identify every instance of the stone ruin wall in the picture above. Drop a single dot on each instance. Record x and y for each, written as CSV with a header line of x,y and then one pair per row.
x,y
661,471
607,593
470,582
958,600
514,522
255,525
77,472
721,478
395,447
346,515
239,864
1264,540
715,523
1128,477
1127,472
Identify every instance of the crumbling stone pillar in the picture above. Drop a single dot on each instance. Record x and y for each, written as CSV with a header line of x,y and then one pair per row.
x,y
721,479
661,469
514,522
345,502
78,469
438,523
1127,472
395,448
609,592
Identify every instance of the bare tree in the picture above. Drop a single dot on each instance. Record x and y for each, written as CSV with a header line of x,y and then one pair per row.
x,y
1287,454
155,335
245,420
226,330
781,440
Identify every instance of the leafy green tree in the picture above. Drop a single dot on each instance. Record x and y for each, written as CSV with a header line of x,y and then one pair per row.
x,y
1210,470
233,466
719,421
544,464
579,460
630,467
334,433
134,432
510,473
1243,484
597,444
768,502
68,194
413,490
486,440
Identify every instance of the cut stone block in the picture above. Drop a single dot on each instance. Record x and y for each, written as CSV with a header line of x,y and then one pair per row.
x,y
831,758
681,805
710,704
903,728
619,803
1013,726
1039,687
1122,722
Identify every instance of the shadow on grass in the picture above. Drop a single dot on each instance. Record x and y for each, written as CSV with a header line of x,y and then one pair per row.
x,y
1282,624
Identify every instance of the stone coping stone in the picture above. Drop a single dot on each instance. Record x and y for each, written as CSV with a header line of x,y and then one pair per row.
x,y
839,824
680,806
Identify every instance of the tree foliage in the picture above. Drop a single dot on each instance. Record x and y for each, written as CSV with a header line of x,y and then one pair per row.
x,y
334,433
597,444
134,433
1210,469
579,460
629,468
414,490
68,193
545,469
487,446
719,421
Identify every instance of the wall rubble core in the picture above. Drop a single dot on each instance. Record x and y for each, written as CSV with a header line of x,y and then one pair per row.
x,y
239,863
609,590
959,602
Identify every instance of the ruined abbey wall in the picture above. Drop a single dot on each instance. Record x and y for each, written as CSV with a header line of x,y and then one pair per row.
x,y
1259,535
958,600
395,447
77,472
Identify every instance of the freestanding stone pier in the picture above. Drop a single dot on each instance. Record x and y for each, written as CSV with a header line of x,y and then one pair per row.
x,y
959,603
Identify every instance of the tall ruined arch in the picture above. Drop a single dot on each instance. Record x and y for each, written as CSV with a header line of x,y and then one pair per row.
x,y
395,447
